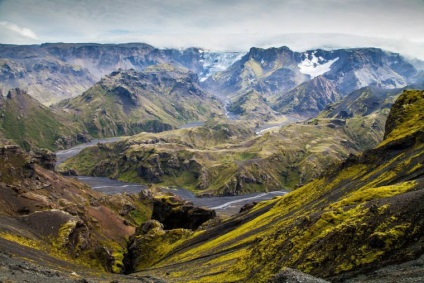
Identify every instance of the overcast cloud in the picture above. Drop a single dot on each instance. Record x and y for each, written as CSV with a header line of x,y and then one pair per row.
x,y
396,25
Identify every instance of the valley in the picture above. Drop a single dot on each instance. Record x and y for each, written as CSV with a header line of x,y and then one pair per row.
x,y
131,163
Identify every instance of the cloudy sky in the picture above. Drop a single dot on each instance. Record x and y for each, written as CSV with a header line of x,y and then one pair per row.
x,y
396,25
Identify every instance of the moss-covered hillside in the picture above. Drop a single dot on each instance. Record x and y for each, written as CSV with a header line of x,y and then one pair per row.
x,y
226,158
362,215
33,125
160,98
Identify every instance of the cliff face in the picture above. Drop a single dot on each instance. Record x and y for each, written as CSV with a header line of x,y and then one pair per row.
x,y
374,200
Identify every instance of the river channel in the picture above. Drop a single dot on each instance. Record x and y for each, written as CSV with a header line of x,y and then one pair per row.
x,y
227,205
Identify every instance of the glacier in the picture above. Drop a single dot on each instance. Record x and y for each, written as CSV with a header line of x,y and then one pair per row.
x,y
315,66
216,62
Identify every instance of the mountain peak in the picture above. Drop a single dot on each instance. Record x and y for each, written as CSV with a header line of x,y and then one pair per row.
x,y
406,116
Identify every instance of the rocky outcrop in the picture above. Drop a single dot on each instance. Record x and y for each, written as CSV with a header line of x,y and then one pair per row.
x,y
44,158
174,212
150,243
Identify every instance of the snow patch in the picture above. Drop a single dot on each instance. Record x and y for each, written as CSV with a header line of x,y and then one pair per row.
x,y
217,62
315,66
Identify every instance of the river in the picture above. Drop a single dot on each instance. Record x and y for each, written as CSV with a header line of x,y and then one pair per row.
x,y
227,205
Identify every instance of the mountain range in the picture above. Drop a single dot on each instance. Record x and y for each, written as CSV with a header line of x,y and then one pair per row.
x,y
55,71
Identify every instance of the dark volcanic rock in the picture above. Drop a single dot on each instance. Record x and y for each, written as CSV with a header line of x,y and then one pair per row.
x,y
247,206
45,158
174,213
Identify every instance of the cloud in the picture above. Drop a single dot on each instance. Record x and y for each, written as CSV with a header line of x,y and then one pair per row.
x,y
221,24
26,32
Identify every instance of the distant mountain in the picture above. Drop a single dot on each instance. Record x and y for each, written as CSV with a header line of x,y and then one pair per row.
x,y
32,125
308,98
126,102
304,83
263,70
287,81
54,71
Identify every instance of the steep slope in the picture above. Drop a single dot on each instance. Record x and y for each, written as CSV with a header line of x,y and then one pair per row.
x,y
308,98
264,70
55,71
362,102
59,221
31,125
374,200
160,98
252,107
47,79
362,67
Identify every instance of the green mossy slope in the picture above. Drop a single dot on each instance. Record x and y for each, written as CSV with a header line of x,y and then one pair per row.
x,y
360,216
31,124
160,98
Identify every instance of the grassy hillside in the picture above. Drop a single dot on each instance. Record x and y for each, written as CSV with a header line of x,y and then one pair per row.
x,y
30,124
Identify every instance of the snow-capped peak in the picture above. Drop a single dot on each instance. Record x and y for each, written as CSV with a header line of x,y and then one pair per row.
x,y
315,66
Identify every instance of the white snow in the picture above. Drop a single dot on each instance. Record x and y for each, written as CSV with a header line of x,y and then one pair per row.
x,y
217,61
315,66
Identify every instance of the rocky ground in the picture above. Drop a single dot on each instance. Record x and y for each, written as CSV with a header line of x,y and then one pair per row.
x,y
16,270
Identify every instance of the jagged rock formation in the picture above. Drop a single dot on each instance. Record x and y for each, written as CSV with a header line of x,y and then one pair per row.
x,y
264,70
374,200
160,98
173,212
308,98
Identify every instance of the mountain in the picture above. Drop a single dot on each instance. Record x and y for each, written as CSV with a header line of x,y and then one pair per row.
x,y
33,125
360,67
373,199
263,70
48,79
304,83
54,71
308,98
162,97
